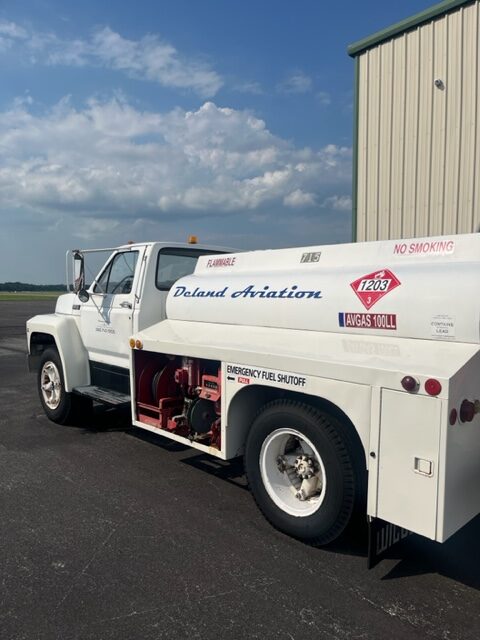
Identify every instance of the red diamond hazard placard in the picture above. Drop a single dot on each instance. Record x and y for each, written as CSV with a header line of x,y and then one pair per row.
x,y
373,286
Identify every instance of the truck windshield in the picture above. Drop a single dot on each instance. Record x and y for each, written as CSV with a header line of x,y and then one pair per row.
x,y
173,264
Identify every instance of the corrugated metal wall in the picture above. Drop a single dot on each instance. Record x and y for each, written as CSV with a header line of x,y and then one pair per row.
x,y
418,146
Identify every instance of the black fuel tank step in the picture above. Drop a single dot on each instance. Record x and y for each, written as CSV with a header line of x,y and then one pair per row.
x,y
102,394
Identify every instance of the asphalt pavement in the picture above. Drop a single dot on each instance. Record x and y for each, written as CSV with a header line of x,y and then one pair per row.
x,y
109,532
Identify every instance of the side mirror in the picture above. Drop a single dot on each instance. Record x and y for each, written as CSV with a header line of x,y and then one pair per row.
x,y
78,273
83,295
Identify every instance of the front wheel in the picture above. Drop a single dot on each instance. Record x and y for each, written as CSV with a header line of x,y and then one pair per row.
x,y
56,402
300,470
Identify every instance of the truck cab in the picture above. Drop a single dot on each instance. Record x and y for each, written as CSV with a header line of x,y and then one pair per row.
x,y
81,352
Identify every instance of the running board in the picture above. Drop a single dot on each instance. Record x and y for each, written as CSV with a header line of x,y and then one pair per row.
x,y
102,394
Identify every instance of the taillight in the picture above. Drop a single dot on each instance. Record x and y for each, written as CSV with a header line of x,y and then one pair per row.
x,y
433,387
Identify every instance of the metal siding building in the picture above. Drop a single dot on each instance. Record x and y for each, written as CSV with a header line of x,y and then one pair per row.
x,y
417,133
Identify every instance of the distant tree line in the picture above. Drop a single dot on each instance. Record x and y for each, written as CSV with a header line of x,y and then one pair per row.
x,y
22,286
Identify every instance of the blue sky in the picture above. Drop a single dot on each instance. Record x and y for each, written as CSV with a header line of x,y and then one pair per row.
x,y
158,119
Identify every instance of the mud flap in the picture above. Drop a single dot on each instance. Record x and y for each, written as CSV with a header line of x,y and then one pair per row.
x,y
382,536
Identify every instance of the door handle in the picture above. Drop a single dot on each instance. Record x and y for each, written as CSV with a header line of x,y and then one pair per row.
x,y
126,305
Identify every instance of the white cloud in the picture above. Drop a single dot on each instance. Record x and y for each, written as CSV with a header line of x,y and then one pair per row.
x,y
255,88
299,198
324,98
111,160
91,228
296,82
155,60
5,44
338,203
148,58
12,30
10,33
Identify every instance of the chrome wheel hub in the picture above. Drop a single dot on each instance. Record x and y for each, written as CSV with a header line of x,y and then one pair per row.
x,y
292,472
51,385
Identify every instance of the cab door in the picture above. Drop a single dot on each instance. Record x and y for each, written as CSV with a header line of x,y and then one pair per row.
x,y
106,319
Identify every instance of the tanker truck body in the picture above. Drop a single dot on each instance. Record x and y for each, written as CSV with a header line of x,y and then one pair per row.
x,y
346,375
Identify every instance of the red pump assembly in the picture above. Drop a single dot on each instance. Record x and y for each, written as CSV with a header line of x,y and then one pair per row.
x,y
181,395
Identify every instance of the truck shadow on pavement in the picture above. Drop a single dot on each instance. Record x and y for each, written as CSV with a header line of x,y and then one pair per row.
x,y
105,418
458,558
228,470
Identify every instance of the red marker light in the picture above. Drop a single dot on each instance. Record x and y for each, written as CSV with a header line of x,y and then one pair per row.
x,y
467,411
453,417
433,387
409,383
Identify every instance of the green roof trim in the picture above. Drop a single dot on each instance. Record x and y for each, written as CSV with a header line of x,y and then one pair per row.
x,y
355,153
409,23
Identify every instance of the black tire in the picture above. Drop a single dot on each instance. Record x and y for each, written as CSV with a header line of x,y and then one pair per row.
x,y
329,438
59,406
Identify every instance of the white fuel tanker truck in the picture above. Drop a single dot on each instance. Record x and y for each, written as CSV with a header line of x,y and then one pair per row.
x,y
346,375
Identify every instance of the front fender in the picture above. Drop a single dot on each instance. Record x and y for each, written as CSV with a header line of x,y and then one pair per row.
x,y
65,333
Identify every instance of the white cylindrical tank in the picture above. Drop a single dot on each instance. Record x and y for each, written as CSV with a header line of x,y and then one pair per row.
x,y
422,288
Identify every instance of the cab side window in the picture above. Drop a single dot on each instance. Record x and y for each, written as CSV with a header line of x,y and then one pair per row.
x,y
118,275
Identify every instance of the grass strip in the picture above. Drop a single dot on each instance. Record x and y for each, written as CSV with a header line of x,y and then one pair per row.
x,y
26,296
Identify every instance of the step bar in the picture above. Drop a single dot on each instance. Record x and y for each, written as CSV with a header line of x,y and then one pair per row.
x,y
104,395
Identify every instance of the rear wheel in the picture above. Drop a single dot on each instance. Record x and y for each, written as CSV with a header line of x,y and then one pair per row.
x,y
59,406
300,470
